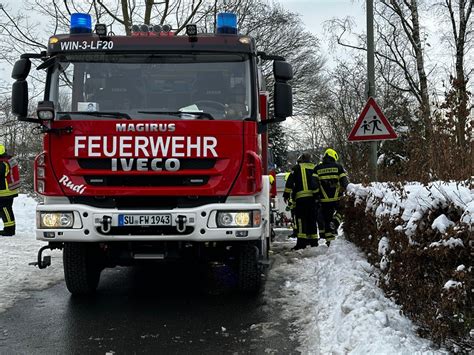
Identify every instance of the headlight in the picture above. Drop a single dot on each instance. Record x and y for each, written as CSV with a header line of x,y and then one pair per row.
x,y
56,220
238,219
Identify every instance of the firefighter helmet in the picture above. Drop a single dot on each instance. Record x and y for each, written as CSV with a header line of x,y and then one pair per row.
x,y
331,153
2,149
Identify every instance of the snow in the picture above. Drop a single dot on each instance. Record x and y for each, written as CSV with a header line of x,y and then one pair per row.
x,y
441,223
451,243
19,278
415,201
331,296
452,284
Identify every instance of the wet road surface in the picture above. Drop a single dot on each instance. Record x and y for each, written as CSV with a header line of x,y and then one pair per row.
x,y
153,310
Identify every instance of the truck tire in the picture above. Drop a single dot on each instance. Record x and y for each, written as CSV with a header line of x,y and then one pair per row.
x,y
249,277
81,268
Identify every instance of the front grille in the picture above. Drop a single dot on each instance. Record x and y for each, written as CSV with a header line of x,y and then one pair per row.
x,y
185,164
145,181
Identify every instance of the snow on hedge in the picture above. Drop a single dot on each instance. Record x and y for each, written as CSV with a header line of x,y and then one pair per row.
x,y
415,200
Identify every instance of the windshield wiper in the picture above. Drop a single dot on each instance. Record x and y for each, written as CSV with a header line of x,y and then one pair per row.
x,y
179,113
96,114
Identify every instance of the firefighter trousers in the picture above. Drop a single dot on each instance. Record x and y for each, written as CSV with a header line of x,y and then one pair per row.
x,y
6,212
329,219
305,211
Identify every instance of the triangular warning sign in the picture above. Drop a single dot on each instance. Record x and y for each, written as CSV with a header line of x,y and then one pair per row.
x,y
372,125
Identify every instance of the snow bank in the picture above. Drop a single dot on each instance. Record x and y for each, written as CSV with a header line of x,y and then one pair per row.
x,y
330,295
415,200
18,278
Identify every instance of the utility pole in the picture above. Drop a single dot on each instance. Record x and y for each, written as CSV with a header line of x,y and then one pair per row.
x,y
371,82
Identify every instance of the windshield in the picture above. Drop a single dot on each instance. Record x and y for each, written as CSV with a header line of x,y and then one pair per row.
x,y
216,86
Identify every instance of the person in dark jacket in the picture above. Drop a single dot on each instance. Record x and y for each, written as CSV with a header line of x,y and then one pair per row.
x,y
7,194
333,181
301,187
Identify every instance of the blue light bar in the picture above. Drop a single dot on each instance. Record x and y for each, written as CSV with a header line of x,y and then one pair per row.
x,y
227,23
81,23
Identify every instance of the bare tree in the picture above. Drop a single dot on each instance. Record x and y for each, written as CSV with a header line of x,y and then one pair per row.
x,y
459,14
399,41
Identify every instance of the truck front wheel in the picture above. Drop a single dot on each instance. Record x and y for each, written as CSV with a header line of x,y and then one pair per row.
x,y
249,278
81,267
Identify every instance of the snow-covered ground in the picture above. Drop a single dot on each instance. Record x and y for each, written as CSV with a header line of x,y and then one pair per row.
x,y
329,295
17,277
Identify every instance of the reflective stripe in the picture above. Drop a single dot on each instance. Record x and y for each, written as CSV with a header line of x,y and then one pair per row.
x,y
4,193
288,190
7,215
329,236
313,236
304,194
336,197
9,224
302,235
332,199
328,177
304,167
327,170
342,175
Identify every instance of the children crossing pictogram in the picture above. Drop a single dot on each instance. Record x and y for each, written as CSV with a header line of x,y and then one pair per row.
x,y
372,125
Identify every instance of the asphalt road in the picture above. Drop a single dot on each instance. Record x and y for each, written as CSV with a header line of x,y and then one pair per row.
x,y
159,310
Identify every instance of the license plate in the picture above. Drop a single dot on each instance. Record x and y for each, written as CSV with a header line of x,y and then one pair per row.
x,y
144,220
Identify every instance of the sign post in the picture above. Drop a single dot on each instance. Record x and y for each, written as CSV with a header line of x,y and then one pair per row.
x,y
371,80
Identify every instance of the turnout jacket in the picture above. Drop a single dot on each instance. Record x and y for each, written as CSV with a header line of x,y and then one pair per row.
x,y
301,182
5,191
332,179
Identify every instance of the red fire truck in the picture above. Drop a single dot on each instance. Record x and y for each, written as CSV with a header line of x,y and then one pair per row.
x,y
153,148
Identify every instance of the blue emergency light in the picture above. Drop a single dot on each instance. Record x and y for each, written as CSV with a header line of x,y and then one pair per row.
x,y
81,23
227,23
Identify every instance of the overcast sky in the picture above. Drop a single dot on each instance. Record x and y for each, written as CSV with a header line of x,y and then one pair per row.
x,y
315,12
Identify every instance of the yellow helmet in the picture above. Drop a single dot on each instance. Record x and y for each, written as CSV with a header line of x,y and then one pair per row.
x,y
331,153
2,149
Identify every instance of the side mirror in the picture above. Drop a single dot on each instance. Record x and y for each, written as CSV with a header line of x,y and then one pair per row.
x,y
21,69
283,101
20,99
282,71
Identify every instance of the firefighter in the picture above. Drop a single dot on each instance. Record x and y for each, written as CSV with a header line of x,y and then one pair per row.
x,y
8,191
302,187
333,181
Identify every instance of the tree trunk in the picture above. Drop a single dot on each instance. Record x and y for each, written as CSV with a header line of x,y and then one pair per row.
x,y
420,67
126,17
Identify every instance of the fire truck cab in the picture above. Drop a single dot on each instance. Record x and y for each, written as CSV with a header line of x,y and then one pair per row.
x,y
153,149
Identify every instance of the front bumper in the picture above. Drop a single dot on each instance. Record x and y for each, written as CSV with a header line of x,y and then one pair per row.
x,y
200,225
